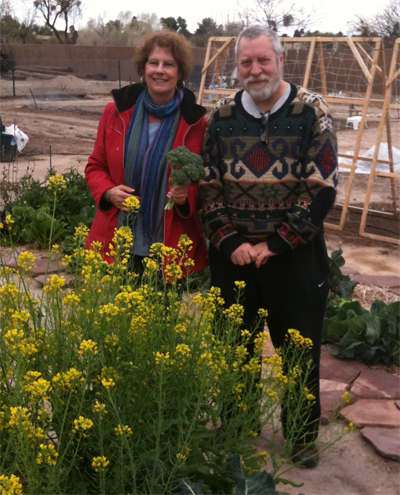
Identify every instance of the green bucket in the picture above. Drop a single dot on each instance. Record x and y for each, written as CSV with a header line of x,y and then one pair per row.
x,y
8,147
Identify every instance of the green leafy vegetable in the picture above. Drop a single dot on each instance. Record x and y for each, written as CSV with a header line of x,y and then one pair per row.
x,y
187,167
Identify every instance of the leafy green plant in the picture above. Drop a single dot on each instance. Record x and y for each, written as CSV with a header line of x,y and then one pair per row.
x,y
33,200
45,228
372,336
340,285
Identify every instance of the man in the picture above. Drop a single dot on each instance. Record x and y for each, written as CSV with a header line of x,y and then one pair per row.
x,y
270,154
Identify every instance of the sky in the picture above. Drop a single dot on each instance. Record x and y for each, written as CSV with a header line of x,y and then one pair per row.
x,y
334,15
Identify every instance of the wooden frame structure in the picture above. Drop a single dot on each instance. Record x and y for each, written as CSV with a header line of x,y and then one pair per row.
x,y
385,121
369,66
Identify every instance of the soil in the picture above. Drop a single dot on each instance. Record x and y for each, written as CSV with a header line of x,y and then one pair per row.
x,y
61,135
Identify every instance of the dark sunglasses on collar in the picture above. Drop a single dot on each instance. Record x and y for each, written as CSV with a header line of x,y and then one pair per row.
x,y
264,132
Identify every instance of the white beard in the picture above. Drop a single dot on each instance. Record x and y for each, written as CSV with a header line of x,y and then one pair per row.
x,y
264,93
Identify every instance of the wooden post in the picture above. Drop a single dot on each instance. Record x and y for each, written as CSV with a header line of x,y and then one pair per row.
x,y
368,93
204,72
322,69
309,63
389,137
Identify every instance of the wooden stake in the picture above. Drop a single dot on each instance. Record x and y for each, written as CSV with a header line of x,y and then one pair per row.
x,y
360,60
204,72
309,62
322,69
360,133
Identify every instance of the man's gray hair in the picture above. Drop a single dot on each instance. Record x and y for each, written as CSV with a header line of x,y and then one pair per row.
x,y
257,30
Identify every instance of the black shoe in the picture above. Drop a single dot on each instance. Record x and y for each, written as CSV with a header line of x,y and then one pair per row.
x,y
305,456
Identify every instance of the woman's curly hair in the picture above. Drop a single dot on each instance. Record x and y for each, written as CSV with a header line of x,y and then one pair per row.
x,y
177,44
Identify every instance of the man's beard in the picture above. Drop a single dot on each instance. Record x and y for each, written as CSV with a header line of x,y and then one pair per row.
x,y
264,93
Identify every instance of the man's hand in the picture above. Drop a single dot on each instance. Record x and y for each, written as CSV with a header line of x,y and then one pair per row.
x,y
118,194
262,254
243,255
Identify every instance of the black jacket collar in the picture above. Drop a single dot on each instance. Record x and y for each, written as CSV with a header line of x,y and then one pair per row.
x,y
126,97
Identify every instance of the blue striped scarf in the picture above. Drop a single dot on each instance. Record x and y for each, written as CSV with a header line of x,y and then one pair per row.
x,y
144,162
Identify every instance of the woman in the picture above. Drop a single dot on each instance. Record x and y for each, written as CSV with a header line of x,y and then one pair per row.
x,y
136,131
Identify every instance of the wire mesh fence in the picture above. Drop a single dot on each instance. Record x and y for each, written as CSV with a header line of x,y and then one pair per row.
x,y
27,77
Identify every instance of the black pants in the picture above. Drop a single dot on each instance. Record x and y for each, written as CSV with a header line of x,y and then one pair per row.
x,y
293,287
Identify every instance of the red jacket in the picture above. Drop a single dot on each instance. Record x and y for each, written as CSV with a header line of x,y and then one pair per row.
x,y
105,169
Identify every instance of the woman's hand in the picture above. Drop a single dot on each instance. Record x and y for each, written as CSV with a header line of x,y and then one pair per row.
x,y
118,194
179,194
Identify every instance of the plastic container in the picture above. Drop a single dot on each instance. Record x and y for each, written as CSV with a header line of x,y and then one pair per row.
x,y
8,146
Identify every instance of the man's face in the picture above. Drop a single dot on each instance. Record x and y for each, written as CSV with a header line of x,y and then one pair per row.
x,y
259,70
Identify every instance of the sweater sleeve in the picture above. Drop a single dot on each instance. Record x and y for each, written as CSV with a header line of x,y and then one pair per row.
x,y
303,221
218,226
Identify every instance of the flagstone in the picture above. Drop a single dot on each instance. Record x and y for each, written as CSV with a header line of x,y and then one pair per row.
x,y
384,440
331,402
339,370
372,412
374,384
40,267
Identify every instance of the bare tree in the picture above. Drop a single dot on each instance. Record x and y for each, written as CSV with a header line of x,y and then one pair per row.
x,y
385,24
55,10
279,14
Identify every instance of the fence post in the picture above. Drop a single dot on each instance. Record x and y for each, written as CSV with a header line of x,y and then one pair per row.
x,y
13,76
119,73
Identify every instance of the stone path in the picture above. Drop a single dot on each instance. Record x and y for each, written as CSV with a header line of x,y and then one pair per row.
x,y
374,404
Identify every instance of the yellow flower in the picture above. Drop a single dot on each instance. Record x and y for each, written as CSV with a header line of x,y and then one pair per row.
x,y
161,358
273,395
123,430
81,233
240,285
56,182
346,397
26,261
100,464
132,204
56,284
10,485
47,455
263,456
38,389
87,347
9,220
108,383
82,424
69,380
235,313
99,409
262,313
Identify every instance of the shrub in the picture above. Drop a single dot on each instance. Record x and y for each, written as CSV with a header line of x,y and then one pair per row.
x,y
35,204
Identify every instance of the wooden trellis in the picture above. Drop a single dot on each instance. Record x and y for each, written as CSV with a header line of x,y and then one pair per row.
x,y
385,121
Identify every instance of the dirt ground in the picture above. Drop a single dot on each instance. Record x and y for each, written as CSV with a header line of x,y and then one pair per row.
x,y
62,133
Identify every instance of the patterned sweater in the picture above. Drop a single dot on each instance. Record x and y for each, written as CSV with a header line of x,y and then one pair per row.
x,y
278,191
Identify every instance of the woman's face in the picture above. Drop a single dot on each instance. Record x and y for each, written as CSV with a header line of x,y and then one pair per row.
x,y
161,75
